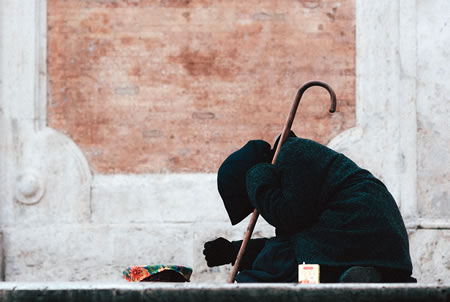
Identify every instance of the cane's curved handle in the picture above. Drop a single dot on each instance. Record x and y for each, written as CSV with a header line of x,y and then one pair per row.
x,y
284,135
298,97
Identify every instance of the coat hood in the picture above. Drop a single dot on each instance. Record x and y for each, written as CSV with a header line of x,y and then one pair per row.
x,y
231,178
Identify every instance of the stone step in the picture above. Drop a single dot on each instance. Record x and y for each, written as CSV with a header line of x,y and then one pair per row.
x,y
173,292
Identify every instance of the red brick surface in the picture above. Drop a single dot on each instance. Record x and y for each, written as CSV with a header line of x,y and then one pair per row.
x,y
175,86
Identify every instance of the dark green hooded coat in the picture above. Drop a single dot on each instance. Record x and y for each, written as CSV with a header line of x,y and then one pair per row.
x,y
327,211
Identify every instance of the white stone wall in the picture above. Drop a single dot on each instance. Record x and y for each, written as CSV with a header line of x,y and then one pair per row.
x,y
403,119
433,109
61,222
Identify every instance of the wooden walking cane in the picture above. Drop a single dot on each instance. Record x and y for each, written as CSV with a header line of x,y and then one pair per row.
x,y
284,135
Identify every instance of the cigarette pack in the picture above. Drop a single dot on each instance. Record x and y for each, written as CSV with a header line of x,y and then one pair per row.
x,y
308,273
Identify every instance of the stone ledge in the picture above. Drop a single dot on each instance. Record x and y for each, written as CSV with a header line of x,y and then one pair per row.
x,y
77,291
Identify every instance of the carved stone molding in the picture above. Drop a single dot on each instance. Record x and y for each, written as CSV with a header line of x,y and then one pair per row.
x,y
30,187
40,167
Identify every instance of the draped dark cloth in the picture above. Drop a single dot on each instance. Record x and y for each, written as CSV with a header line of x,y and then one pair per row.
x,y
327,211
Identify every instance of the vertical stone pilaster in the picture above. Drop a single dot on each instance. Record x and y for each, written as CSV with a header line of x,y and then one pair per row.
x,y
407,116
384,139
2,259
34,159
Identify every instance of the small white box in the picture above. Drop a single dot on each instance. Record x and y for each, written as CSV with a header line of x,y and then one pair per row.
x,y
308,273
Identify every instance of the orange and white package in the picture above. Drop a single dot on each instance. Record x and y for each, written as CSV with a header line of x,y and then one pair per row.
x,y
308,273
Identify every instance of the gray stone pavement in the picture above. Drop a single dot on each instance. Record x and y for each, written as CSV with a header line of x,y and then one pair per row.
x,y
173,292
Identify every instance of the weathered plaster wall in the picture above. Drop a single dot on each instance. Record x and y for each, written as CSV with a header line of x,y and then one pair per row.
x,y
430,248
433,110
60,221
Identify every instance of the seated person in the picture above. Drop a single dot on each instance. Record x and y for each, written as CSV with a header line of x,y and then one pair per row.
x,y
325,209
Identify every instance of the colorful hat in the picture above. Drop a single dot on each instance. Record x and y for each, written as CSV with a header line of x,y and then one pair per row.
x,y
158,273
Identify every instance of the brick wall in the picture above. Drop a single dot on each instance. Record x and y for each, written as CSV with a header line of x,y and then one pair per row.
x,y
175,86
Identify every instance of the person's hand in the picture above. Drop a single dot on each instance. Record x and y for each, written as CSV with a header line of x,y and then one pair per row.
x,y
275,145
219,252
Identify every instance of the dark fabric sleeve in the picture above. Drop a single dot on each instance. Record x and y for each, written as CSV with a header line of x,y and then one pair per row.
x,y
254,246
291,193
277,200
